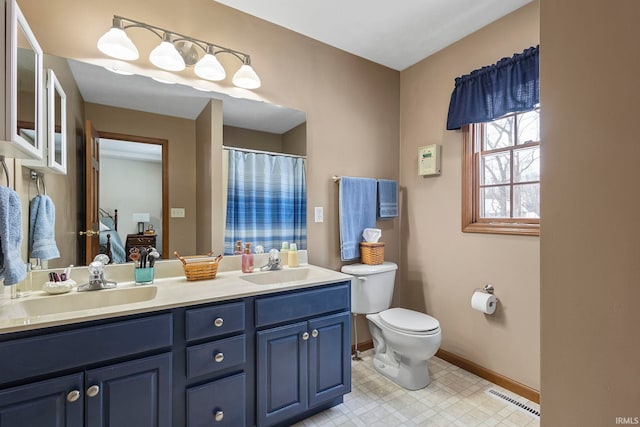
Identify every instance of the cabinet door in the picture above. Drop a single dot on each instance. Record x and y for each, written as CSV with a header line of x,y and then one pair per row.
x,y
281,373
51,403
329,363
130,394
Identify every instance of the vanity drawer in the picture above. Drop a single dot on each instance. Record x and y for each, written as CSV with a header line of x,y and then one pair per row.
x,y
218,403
301,304
214,321
216,356
76,348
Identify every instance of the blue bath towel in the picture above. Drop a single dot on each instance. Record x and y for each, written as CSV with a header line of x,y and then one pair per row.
x,y
357,212
42,222
387,199
12,267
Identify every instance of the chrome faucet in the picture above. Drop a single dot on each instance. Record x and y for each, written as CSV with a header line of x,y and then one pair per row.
x,y
274,261
96,278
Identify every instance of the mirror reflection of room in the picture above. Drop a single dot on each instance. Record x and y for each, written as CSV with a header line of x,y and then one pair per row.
x,y
130,186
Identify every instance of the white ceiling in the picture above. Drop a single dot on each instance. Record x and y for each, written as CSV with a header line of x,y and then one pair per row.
x,y
135,92
129,150
396,34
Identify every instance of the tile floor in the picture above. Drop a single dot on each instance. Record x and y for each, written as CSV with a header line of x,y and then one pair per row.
x,y
455,397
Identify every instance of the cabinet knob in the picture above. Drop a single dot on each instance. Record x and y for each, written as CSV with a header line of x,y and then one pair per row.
x,y
73,396
305,336
219,416
93,391
218,322
219,357
314,333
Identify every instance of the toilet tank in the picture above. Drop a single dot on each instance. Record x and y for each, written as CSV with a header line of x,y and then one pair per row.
x,y
371,287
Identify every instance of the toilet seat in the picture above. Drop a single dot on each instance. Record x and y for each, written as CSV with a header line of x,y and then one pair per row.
x,y
409,321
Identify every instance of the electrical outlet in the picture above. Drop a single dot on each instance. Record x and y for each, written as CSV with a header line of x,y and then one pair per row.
x,y
319,215
177,212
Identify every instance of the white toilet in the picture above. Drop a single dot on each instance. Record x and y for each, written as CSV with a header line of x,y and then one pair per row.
x,y
403,340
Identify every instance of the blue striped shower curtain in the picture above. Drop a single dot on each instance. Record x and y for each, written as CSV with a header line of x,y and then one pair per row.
x,y
266,201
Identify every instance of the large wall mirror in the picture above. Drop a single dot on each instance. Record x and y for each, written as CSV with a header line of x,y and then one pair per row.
x,y
141,112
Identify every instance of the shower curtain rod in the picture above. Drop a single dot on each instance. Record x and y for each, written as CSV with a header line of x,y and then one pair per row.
x,y
246,150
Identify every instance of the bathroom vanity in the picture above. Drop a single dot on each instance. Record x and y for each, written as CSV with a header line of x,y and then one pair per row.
x,y
227,352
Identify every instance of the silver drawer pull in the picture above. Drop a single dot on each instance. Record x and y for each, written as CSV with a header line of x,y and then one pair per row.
x,y
314,333
218,322
93,391
219,416
219,357
305,336
73,396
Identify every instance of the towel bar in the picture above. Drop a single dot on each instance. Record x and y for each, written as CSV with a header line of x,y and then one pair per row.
x,y
6,170
38,177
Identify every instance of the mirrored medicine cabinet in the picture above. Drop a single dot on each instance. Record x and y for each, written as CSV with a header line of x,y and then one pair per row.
x,y
24,95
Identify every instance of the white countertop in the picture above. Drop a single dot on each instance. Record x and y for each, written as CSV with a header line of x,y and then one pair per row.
x,y
170,292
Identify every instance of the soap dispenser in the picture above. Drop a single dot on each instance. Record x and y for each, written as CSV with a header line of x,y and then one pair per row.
x,y
247,259
238,248
284,254
293,255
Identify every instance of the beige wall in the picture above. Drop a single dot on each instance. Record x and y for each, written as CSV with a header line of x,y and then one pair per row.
x,y
295,140
181,134
210,227
252,139
351,104
441,266
590,248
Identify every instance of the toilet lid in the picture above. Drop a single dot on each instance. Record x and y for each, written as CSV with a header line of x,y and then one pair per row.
x,y
409,320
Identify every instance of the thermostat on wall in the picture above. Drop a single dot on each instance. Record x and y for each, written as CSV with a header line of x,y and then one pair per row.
x,y
429,160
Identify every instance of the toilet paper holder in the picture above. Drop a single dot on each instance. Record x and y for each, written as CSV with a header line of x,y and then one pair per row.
x,y
488,288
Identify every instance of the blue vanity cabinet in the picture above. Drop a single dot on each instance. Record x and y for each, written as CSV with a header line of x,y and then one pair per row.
x,y
49,403
263,360
302,366
106,373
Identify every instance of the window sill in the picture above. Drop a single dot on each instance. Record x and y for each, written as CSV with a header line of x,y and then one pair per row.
x,y
518,229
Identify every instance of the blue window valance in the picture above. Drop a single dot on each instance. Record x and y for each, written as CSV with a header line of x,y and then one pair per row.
x,y
510,85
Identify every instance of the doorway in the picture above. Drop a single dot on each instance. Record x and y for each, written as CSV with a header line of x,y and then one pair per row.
x,y
134,181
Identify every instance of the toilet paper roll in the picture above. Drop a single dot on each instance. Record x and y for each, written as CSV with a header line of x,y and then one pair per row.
x,y
483,302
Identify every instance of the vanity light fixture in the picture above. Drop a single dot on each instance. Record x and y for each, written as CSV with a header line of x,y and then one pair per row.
x,y
177,51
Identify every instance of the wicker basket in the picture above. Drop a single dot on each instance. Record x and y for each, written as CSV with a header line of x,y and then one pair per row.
x,y
372,253
199,267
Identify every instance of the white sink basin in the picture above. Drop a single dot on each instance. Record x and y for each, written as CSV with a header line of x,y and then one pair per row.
x,y
77,301
282,276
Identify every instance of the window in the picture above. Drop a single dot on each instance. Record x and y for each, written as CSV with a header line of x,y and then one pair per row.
x,y
501,175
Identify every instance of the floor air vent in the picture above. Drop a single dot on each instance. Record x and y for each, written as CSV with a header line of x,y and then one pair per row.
x,y
522,406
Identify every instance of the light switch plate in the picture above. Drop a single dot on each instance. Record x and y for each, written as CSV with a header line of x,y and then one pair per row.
x,y
319,215
177,212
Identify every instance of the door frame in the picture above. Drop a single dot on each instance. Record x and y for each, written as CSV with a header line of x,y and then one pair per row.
x,y
165,177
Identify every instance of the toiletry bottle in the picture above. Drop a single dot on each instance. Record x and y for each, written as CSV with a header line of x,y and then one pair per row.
x,y
284,254
238,249
293,255
247,259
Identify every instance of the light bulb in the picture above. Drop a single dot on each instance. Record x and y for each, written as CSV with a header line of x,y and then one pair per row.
x,y
246,78
166,56
117,44
209,68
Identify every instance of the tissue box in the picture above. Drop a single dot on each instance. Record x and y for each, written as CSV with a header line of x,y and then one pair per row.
x,y
372,253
